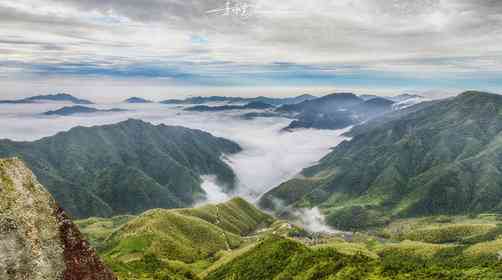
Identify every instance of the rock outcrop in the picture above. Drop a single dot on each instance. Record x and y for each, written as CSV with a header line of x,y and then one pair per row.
x,y
37,240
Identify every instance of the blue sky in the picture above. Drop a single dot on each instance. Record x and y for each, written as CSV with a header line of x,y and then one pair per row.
x,y
114,48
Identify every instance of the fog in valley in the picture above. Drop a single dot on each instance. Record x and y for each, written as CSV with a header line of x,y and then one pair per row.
x,y
269,157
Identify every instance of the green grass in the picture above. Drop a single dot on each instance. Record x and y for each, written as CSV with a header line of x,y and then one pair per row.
x,y
349,248
449,233
187,235
192,244
490,248
97,230
236,216
445,229
412,249
224,257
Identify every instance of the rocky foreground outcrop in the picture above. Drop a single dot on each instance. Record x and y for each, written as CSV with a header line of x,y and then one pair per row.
x,y
37,239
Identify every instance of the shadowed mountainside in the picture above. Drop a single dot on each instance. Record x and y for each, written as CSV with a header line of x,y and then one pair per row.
x,y
335,111
127,167
440,157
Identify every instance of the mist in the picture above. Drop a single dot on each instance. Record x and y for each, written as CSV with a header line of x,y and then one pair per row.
x,y
313,221
269,155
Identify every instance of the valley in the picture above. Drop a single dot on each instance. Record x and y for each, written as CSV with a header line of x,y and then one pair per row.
x,y
250,140
386,198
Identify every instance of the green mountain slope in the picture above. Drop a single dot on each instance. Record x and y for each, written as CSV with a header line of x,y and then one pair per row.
x,y
194,244
125,168
441,157
185,234
278,258
178,235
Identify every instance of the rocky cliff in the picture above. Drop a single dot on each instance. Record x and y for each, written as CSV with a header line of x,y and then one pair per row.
x,y
37,239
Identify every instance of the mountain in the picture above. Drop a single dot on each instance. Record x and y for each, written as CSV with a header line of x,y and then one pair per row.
x,y
182,235
403,97
407,100
396,98
38,240
254,115
127,167
401,101
137,100
286,258
438,157
281,258
257,105
60,97
202,100
235,240
335,111
263,99
278,101
324,103
72,110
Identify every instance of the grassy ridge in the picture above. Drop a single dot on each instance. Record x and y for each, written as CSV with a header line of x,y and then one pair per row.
x,y
189,239
279,258
210,242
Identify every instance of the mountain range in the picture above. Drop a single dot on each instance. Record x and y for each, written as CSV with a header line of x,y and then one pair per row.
x,y
437,157
257,105
126,167
231,240
264,99
72,110
133,100
60,97
335,111
396,98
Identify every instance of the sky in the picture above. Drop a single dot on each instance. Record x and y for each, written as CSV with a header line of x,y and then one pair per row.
x,y
110,49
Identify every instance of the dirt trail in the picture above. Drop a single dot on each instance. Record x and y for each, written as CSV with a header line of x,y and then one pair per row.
x,y
218,221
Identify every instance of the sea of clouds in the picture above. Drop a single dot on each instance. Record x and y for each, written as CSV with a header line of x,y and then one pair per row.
x,y
270,156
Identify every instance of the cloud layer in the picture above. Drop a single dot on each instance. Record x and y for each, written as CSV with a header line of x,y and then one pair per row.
x,y
269,156
366,43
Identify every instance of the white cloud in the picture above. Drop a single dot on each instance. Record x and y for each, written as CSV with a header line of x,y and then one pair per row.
x,y
269,156
410,36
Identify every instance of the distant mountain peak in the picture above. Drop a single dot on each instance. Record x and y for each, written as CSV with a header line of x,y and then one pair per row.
x,y
474,93
59,97
379,101
137,100
341,94
79,109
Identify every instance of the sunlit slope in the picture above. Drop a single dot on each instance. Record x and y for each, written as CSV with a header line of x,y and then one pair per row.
x,y
279,258
440,157
125,168
187,235
192,244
